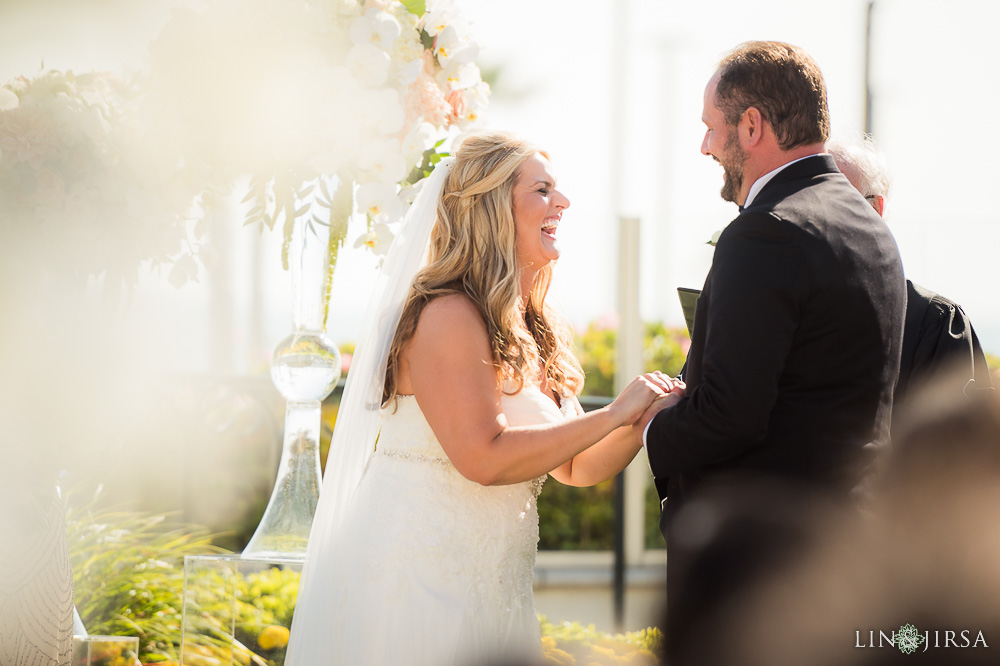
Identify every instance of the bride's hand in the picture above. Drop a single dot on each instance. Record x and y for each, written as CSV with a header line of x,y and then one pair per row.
x,y
637,396
667,383
658,405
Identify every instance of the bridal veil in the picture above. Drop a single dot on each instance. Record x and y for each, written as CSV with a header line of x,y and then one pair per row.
x,y
358,425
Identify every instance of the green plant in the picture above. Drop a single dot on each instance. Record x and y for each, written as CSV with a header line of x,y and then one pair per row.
x,y
128,575
663,349
129,581
573,518
128,572
573,643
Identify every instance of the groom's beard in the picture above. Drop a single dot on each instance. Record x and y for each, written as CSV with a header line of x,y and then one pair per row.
x,y
732,162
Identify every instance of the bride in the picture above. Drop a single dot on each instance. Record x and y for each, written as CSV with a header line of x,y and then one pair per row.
x,y
460,401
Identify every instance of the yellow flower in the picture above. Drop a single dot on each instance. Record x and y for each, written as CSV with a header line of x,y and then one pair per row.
x,y
561,657
643,656
548,643
274,636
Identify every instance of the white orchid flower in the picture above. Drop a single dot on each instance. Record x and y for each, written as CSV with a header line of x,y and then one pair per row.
x,y
438,17
452,45
409,72
419,139
460,75
380,202
409,193
368,64
377,28
447,44
378,239
477,98
467,105
383,160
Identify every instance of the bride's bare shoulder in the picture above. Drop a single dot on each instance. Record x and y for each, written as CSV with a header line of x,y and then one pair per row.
x,y
449,316
450,346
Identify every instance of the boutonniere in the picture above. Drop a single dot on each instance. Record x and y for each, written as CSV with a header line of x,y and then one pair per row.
x,y
714,240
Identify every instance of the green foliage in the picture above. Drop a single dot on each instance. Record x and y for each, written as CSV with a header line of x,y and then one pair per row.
x,y
128,571
663,349
129,581
340,206
573,643
573,518
285,196
431,156
415,7
260,617
128,575
269,599
598,356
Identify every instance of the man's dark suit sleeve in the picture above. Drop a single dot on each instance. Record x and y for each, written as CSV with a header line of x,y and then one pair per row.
x,y
943,339
754,285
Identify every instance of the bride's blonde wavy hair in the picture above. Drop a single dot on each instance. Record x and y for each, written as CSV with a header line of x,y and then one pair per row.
x,y
472,252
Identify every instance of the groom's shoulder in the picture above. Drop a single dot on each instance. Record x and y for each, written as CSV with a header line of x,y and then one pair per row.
x,y
823,202
758,223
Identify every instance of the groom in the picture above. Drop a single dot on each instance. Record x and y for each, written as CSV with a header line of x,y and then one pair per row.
x,y
795,345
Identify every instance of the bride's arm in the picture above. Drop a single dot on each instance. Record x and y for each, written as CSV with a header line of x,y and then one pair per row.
x,y
448,366
607,457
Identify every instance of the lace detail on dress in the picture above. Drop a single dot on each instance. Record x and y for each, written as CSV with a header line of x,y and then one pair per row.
x,y
536,485
442,564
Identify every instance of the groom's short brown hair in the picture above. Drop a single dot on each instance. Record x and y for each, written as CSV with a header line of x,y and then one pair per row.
x,y
782,82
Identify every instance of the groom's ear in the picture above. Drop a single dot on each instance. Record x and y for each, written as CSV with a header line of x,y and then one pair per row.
x,y
751,127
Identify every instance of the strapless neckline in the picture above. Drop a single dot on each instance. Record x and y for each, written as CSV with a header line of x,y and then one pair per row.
x,y
537,389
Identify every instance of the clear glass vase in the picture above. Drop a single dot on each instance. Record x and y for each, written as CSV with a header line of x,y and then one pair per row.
x,y
305,368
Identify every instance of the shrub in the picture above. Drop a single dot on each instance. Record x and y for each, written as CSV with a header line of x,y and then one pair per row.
x,y
128,575
129,581
573,643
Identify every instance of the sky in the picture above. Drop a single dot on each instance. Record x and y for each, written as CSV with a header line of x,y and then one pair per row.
x,y
621,120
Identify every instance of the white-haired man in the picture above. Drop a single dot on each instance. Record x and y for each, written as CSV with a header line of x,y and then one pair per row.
x,y
939,342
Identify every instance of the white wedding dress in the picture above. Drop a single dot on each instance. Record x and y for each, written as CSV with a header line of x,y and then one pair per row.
x,y
438,569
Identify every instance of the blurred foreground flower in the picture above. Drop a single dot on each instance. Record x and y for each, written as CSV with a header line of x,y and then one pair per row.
x,y
314,100
81,197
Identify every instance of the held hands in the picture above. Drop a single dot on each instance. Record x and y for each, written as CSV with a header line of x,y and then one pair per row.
x,y
677,390
656,407
642,394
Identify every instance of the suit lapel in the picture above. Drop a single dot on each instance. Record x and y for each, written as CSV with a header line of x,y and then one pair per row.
x,y
816,165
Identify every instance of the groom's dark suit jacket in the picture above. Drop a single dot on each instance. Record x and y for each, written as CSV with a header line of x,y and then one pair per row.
x,y
794,355
796,342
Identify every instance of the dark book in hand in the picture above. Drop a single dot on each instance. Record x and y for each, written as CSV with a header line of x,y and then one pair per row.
x,y
689,298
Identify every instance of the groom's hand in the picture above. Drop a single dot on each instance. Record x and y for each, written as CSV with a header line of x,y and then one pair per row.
x,y
658,405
